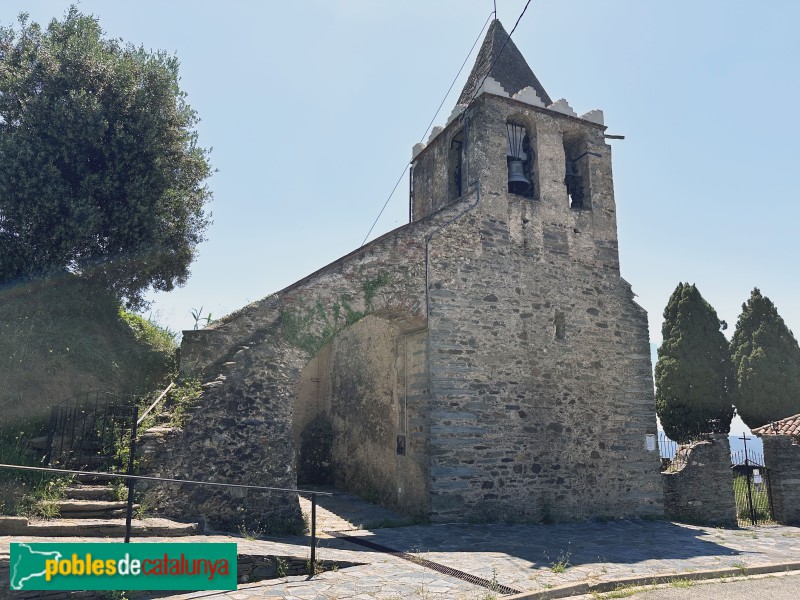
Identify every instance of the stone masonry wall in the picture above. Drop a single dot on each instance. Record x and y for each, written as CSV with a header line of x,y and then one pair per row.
x,y
432,178
541,385
236,433
240,430
782,458
702,490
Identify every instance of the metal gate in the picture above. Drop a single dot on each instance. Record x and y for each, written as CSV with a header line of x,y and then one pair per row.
x,y
751,488
91,432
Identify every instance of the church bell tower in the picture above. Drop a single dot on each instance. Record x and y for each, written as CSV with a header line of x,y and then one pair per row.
x,y
509,137
540,377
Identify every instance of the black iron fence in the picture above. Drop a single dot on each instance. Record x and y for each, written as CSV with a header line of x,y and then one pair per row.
x,y
752,488
131,479
747,456
90,431
667,450
95,431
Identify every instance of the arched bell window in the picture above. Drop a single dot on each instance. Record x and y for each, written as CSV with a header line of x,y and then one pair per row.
x,y
455,163
520,157
576,171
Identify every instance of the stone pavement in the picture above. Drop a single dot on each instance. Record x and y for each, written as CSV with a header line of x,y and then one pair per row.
x,y
345,512
524,557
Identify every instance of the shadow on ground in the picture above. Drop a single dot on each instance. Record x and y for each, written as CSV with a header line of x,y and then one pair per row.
x,y
624,541
546,545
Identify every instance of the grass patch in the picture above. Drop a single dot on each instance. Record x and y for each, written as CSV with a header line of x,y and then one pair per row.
x,y
741,567
20,490
250,534
561,564
181,399
42,502
621,591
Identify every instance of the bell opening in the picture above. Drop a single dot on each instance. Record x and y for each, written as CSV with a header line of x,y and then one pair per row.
x,y
519,155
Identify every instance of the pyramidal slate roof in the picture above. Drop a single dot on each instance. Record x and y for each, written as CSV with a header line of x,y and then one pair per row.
x,y
507,67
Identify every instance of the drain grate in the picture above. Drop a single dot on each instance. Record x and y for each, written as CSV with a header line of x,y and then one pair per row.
x,y
434,566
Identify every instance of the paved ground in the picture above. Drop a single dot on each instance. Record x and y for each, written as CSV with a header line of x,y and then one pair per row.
x,y
344,512
774,587
523,557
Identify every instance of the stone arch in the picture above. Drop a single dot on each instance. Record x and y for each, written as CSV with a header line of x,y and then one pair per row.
x,y
312,433
352,418
251,362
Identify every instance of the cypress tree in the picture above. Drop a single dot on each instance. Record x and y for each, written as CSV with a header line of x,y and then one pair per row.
x,y
767,362
694,369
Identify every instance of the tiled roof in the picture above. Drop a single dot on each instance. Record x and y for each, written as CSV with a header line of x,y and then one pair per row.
x,y
787,426
506,65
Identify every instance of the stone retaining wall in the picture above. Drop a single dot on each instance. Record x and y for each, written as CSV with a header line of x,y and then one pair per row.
x,y
701,491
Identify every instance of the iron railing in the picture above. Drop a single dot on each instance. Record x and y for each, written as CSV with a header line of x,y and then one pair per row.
x,y
132,478
161,396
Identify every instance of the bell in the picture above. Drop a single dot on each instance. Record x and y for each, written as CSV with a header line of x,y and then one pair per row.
x,y
517,182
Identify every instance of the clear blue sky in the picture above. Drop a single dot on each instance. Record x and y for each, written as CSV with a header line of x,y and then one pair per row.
x,y
312,107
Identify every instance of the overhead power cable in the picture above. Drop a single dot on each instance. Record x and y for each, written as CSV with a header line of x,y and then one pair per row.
x,y
497,56
436,114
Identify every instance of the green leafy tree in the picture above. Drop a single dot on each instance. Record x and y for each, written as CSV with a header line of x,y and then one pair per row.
x,y
767,362
694,370
100,172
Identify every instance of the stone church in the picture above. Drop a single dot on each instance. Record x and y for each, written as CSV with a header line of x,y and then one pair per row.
x,y
485,361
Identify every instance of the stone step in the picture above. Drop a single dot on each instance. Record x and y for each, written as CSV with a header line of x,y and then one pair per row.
x,y
159,430
152,526
85,462
91,478
91,509
92,460
39,443
75,447
90,492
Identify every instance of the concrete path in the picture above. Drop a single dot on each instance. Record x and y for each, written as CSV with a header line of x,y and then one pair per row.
x,y
527,558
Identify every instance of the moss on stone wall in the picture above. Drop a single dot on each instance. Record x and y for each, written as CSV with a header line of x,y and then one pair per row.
x,y
301,327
